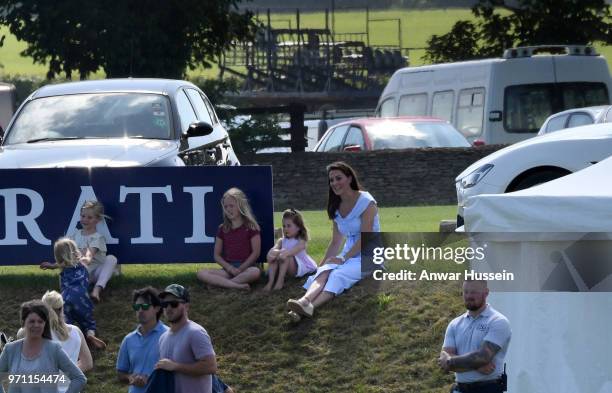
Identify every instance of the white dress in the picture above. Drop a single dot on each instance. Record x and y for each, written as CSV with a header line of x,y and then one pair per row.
x,y
347,274
305,263
95,240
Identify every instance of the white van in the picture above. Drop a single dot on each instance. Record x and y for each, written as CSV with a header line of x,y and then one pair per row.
x,y
500,100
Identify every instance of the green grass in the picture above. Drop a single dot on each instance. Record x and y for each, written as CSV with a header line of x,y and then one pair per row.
x,y
417,26
378,337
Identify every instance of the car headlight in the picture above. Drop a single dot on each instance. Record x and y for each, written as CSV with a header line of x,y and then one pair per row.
x,y
473,178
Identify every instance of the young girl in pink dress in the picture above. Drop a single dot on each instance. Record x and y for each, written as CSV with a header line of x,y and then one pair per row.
x,y
288,256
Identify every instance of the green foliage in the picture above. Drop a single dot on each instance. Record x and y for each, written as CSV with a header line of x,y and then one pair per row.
x,y
248,133
255,132
504,24
127,38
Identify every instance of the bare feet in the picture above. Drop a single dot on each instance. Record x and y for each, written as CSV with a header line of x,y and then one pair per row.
x,y
244,287
95,294
95,342
268,287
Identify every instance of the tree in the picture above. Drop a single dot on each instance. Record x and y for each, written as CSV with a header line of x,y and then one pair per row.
x,y
502,24
144,38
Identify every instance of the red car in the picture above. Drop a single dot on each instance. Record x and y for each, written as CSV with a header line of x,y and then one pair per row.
x,y
390,133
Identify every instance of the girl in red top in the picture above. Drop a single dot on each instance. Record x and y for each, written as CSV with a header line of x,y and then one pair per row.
x,y
237,245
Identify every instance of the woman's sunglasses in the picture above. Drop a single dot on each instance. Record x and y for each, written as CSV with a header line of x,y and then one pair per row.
x,y
142,306
171,303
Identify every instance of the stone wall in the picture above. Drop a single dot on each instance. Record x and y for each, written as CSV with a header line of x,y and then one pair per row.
x,y
394,177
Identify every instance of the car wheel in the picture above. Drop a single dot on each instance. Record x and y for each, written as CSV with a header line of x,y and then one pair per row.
x,y
535,178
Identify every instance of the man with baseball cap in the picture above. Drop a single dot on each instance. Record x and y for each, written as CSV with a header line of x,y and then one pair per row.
x,y
186,348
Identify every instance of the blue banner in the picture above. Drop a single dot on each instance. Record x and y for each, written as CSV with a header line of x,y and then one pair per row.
x,y
157,215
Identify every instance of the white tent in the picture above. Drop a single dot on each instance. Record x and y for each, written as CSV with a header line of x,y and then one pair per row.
x,y
561,340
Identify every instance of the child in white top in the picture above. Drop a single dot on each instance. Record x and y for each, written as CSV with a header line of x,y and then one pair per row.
x,y
288,256
93,248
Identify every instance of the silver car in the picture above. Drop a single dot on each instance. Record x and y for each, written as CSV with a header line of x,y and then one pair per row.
x,y
576,117
116,123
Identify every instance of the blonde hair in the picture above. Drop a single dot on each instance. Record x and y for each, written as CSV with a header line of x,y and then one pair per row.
x,y
243,207
97,207
66,252
55,302
296,217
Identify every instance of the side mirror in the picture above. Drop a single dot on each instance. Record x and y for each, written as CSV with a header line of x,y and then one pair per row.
x,y
352,148
200,128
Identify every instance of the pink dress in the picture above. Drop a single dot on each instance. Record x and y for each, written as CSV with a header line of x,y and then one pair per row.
x,y
305,264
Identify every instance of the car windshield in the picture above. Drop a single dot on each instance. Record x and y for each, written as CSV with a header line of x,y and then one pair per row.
x,y
108,115
400,135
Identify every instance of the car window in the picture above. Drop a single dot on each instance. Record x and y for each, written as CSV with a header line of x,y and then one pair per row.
x,y
199,106
354,137
104,115
413,105
412,135
185,111
211,110
526,107
579,119
334,140
556,123
387,108
580,94
470,111
442,105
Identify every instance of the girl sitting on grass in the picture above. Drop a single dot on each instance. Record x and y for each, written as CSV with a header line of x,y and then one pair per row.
x,y
237,245
289,253
93,248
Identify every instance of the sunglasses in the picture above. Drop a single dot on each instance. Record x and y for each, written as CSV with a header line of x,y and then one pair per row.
x,y
171,303
143,307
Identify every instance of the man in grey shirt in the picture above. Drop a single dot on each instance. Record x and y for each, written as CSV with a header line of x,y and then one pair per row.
x,y
476,343
186,348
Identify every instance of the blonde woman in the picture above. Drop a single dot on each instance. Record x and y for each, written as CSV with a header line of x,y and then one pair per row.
x,y
237,245
69,336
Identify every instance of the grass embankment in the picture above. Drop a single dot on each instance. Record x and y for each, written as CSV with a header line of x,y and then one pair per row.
x,y
378,337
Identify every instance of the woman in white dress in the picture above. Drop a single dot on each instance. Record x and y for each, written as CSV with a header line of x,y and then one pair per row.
x,y
353,211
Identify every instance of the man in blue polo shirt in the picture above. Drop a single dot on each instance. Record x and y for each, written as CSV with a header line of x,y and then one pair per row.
x,y
476,343
139,351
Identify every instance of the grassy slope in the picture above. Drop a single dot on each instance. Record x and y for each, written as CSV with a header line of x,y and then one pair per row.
x,y
417,27
375,338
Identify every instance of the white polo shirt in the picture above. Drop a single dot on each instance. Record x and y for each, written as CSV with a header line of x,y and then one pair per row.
x,y
466,335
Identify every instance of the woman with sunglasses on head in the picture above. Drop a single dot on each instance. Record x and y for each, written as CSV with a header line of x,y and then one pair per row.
x,y
37,355
139,351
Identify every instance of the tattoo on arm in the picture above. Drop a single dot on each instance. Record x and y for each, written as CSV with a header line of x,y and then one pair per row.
x,y
476,359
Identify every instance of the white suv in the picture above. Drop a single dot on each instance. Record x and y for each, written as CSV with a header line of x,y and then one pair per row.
x,y
534,161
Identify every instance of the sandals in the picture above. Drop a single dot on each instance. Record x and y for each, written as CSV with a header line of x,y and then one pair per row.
x,y
299,308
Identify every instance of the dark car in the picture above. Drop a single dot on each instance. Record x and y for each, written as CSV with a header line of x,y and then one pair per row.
x,y
390,133
116,122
